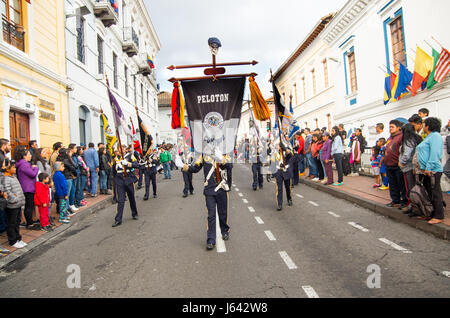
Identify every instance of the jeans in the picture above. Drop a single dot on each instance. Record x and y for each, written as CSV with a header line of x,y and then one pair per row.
x,y
324,168
103,180
312,165
94,179
3,221
338,160
70,185
166,166
301,164
79,193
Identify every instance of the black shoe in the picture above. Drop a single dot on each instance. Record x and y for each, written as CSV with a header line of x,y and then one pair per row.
x,y
290,203
185,195
114,201
226,236
254,189
116,224
280,207
135,218
192,193
139,187
107,192
146,198
154,195
209,246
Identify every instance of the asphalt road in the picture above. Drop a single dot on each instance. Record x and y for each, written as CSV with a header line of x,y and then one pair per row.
x,y
320,247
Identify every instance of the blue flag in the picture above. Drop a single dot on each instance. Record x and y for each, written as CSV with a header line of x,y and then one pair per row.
x,y
404,80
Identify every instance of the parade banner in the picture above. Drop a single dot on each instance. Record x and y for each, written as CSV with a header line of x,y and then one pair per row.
x,y
214,111
110,137
146,137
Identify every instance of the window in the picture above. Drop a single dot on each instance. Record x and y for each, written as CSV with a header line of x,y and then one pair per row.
x,y
13,32
398,43
116,81
325,73
304,89
313,76
126,80
80,39
100,54
352,67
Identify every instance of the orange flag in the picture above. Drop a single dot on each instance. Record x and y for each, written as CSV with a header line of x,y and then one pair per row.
x,y
422,69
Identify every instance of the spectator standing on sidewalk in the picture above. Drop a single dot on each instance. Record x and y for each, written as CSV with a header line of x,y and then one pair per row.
x,y
104,170
301,153
375,162
56,147
417,123
165,159
423,113
84,173
397,188
342,132
5,148
70,173
40,160
358,145
309,158
316,146
337,151
42,200
15,201
26,173
381,133
327,158
383,170
410,141
428,164
446,161
61,193
92,161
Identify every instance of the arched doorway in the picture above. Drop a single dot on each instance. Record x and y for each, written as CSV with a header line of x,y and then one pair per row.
x,y
84,125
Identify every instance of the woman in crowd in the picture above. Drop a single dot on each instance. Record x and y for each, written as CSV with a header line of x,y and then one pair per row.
x,y
70,173
26,173
337,151
104,168
407,149
326,158
82,179
40,159
427,162
316,146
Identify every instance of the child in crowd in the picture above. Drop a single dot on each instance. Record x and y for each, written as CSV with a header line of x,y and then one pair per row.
x,y
61,193
375,161
383,171
16,201
42,200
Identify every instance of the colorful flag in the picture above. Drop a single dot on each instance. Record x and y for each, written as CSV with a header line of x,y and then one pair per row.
x,y
422,68
177,107
393,87
443,66
387,89
402,82
136,143
280,109
150,62
110,137
146,138
431,79
119,118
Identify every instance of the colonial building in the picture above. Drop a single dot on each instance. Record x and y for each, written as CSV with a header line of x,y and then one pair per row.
x,y
265,127
112,38
368,37
307,77
166,133
33,96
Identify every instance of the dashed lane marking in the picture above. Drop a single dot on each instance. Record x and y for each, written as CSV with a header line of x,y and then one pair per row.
x,y
245,201
240,194
237,189
300,196
290,264
251,209
446,274
313,203
334,214
393,245
359,227
259,220
310,292
270,236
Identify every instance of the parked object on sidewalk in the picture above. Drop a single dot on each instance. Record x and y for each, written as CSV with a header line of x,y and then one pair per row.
x,y
346,167
420,200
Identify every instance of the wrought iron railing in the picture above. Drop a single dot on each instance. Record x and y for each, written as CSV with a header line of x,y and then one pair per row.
x,y
13,34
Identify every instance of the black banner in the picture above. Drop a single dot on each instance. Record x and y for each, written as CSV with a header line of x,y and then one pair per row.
x,y
214,111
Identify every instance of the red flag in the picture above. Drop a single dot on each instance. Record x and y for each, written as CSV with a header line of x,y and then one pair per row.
x,y
136,143
442,66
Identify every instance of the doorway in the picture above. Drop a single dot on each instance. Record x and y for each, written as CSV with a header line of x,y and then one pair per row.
x,y
19,125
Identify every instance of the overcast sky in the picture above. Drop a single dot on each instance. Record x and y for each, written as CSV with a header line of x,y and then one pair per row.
x,y
264,30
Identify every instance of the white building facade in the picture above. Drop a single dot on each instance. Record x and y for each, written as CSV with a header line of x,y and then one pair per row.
x,y
101,39
365,37
166,133
307,77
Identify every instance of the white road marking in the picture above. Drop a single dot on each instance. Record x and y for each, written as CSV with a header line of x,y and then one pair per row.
x,y
259,220
270,236
310,292
334,214
397,247
251,209
240,194
446,274
237,189
300,196
220,244
245,201
359,227
290,264
313,203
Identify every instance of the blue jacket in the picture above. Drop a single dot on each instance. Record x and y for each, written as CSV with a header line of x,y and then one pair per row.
x,y
336,147
60,184
91,158
430,151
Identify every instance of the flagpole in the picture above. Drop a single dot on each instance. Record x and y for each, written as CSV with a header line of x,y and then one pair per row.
x,y
429,45
279,126
437,42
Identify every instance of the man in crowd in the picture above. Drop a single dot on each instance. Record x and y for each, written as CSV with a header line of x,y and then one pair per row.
x,y
424,113
381,133
92,161
311,162
342,132
33,147
57,146
165,158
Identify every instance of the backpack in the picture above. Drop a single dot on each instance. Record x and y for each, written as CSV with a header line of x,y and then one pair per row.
x,y
420,200
346,167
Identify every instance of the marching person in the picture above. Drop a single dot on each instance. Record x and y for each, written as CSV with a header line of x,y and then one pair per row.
x,y
255,158
142,167
150,170
216,196
283,173
295,160
125,179
187,176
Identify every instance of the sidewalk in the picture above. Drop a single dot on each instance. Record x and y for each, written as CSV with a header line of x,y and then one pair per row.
x,y
28,236
360,191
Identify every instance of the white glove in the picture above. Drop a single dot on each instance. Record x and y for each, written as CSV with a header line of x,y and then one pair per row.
x,y
124,163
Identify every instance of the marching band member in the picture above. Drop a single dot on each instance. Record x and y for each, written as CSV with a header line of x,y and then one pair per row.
x,y
150,170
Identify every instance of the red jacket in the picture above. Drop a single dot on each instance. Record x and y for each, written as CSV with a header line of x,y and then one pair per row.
x,y
393,150
42,195
301,148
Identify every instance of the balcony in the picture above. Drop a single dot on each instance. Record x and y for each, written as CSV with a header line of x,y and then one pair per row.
x,y
144,67
14,34
130,44
105,12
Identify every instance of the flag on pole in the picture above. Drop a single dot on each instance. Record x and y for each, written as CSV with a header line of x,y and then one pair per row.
x,y
177,107
110,137
402,82
281,110
387,89
119,118
136,143
422,68
443,66
150,62
146,137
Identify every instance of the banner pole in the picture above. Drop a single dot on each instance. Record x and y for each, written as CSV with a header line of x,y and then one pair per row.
x,y
121,150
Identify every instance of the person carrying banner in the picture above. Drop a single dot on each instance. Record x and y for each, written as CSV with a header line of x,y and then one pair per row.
x,y
186,158
216,196
295,159
151,162
282,166
125,178
255,158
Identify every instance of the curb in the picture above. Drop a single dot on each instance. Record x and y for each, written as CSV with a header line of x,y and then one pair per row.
x,y
441,231
8,259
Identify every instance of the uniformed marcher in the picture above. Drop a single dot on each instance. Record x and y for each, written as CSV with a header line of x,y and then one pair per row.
x,y
295,160
150,170
125,184
142,165
255,158
187,159
216,196
283,173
